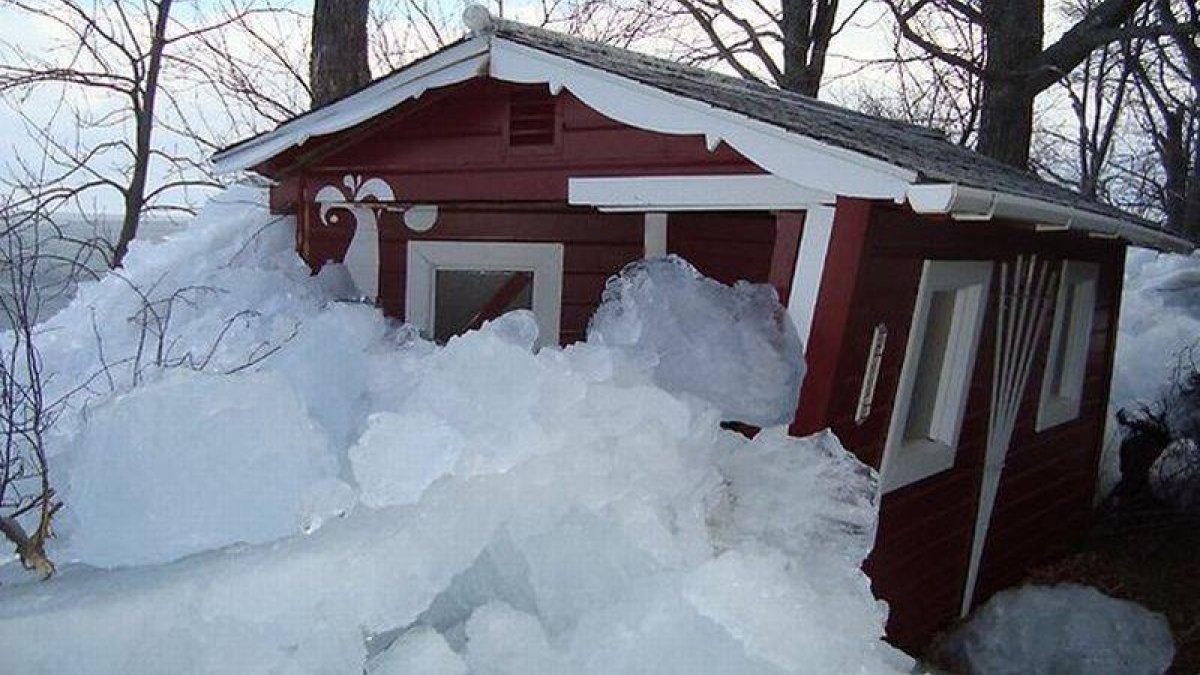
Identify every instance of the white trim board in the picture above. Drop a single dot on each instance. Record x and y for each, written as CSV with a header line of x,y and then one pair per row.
x,y
654,235
905,462
792,156
1077,285
810,269
425,258
738,192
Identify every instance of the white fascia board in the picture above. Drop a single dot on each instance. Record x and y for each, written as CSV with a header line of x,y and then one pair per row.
x,y
456,64
968,203
693,193
792,156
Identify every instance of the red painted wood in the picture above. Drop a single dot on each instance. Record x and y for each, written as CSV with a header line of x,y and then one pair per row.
x,y
789,226
923,546
832,313
728,247
451,145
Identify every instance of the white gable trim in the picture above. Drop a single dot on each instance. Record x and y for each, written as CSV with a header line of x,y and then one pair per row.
x,y
794,157
459,63
762,192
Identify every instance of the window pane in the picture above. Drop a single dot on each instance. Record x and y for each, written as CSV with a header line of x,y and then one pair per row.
x,y
464,299
939,323
1061,347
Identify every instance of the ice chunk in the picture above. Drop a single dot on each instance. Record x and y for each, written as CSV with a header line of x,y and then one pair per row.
x,y
420,651
399,455
783,614
1066,628
191,463
574,510
1175,475
504,641
1159,317
802,496
734,347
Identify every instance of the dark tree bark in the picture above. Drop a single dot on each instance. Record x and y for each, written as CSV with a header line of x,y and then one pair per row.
x,y
808,27
338,64
1017,66
1014,32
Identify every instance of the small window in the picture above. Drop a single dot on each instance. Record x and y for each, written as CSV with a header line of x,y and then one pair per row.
x,y
936,376
1066,361
465,299
455,286
532,118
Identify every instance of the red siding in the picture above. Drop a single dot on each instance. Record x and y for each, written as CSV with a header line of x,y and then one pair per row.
x,y
725,246
450,148
922,550
451,145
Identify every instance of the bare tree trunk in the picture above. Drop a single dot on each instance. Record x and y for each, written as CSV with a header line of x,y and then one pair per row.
x,y
143,107
808,27
338,64
1014,44
1016,66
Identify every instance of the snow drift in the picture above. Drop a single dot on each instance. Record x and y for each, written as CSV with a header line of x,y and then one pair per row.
x,y
1061,629
364,499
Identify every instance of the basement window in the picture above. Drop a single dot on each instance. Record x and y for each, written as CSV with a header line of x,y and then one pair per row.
x,y
455,286
1066,362
532,118
936,377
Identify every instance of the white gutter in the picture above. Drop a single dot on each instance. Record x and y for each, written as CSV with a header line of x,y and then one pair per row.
x,y
976,204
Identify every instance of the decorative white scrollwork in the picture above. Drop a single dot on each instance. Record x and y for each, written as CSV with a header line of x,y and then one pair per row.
x,y
355,197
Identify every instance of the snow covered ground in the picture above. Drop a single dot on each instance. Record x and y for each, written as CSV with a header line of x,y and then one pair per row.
x,y
265,479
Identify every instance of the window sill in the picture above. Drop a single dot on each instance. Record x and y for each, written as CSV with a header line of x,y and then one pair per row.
x,y
1056,411
916,461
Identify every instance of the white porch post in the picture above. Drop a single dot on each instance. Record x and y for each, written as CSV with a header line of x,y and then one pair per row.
x,y
654,235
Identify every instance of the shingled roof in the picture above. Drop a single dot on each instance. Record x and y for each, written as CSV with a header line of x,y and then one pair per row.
x,y
924,152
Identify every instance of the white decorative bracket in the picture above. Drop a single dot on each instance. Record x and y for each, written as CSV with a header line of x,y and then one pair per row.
x,y
364,200
1025,292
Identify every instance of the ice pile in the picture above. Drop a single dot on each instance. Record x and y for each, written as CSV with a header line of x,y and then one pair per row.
x,y
505,511
178,466
1061,629
1175,476
733,347
1160,316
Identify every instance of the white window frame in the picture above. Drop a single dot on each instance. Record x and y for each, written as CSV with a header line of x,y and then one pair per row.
x,y
544,260
1077,321
908,462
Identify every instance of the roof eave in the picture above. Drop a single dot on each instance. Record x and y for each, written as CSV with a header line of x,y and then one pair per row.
x,y
968,203
455,64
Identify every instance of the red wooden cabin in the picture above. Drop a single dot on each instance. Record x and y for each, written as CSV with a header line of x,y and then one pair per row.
x,y
959,315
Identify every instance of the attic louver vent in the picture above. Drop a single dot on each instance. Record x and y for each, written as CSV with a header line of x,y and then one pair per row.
x,y
531,118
